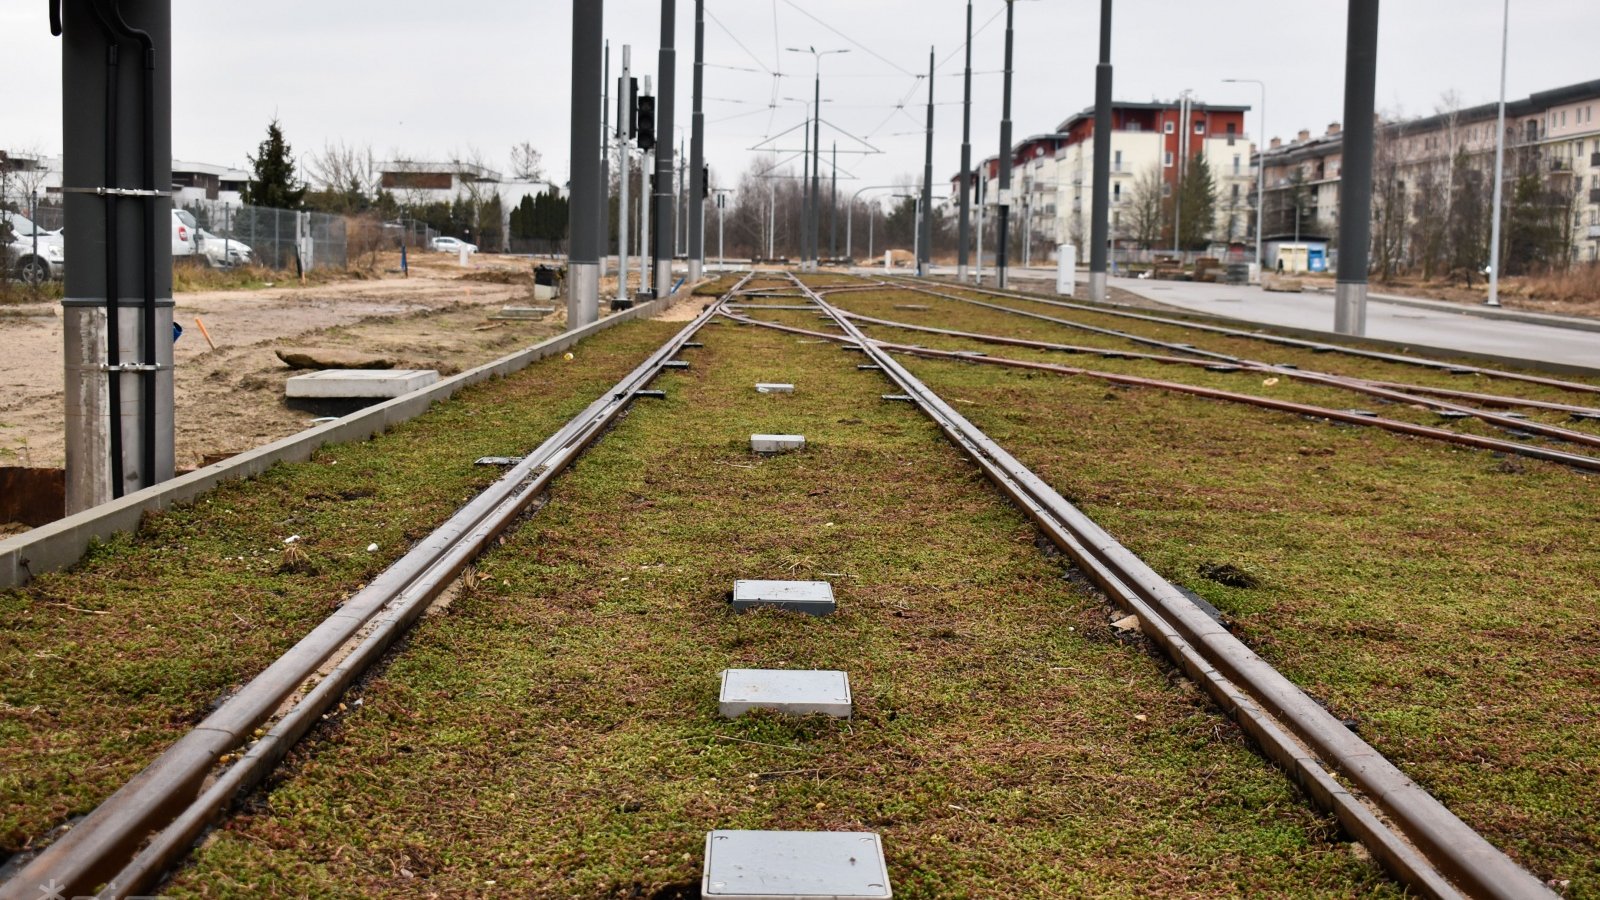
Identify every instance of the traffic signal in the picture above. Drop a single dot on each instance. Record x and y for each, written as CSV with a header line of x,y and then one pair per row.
x,y
633,108
647,123
705,181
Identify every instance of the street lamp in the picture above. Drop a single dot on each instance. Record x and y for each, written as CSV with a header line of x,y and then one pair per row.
x,y
1261,164
1499,164
850,213
809,237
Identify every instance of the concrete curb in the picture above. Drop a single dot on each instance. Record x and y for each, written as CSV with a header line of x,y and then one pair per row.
x,y
1488,312
58,545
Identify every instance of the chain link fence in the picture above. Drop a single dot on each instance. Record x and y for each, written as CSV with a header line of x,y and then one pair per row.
x,y
275,238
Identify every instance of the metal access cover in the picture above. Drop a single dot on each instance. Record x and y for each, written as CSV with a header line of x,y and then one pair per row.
x,y
796,692
811,597
776,443
780,865
774,388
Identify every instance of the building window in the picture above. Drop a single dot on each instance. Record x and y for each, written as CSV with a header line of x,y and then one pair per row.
x,y
1199,127
1116,161
1116,192
1232,128
1236,194
1236,165
1166,189
1166,159
1166,128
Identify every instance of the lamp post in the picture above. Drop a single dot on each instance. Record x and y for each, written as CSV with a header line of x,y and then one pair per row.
x,y
809,232
850,213
1261,162
1499,165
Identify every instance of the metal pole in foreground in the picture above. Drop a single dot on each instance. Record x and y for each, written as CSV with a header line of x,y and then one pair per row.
x,y
667,78
1355,176
117,309
1100,226
1499,166
603,221
1001,248
624,151
966,160
814,228
925,245
583,252
646,212
697,150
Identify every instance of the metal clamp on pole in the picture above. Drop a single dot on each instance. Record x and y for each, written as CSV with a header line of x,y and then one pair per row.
x,y
115,192
136,367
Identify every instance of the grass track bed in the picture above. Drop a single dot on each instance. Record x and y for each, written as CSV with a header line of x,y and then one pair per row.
x,y
1441,598
103,666
555,732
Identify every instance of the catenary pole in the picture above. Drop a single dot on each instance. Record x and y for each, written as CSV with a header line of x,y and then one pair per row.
x,y
1100,227
583,258
624,162
604,219
1001,243
1355,175
666,76
833,207
925,245
965,234
697,150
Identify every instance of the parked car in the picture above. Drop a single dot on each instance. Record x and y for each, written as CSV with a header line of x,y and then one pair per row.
x,y
216,250
184,228
23,262
452,245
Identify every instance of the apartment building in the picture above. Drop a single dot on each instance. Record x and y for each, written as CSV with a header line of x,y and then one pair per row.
x,y
1052,177
1552,134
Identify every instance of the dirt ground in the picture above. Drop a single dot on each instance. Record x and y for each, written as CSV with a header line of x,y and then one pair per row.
x,y
231,398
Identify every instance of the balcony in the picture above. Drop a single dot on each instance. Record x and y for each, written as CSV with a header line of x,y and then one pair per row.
x,y
1594,232
1561,165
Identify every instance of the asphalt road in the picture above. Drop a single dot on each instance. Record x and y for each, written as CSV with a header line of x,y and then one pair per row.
x,y
1441,329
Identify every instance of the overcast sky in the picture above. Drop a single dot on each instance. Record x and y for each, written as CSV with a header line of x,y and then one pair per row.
x,y
430,80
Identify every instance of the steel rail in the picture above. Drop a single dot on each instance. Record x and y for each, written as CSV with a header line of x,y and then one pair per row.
x,y
1575,460
1394,394
1315,346
169,802
1298,733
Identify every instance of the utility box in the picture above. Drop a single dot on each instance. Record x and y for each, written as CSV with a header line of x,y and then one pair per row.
x,y
776,443
1066,269
774,388
814,598
794,865
794,692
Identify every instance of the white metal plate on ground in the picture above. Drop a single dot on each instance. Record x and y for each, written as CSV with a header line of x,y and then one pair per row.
x,y
774,388
783,865
340,384
776,443
795,692
810,597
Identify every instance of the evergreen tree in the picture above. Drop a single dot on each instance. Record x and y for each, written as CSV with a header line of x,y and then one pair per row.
x,y
274,183
1199,192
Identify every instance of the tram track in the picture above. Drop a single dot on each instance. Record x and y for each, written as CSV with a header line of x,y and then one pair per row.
x,y
139,831
1417,838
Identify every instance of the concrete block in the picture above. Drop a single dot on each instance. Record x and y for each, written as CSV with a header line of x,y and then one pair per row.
x,y
341,384
774,388
675,364
523,312
794,865
810,597
776,443
545,292
898,398
789,691
869,367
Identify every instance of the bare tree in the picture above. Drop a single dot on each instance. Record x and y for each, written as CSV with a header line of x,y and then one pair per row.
x,y
1145,213
341,168
527,163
